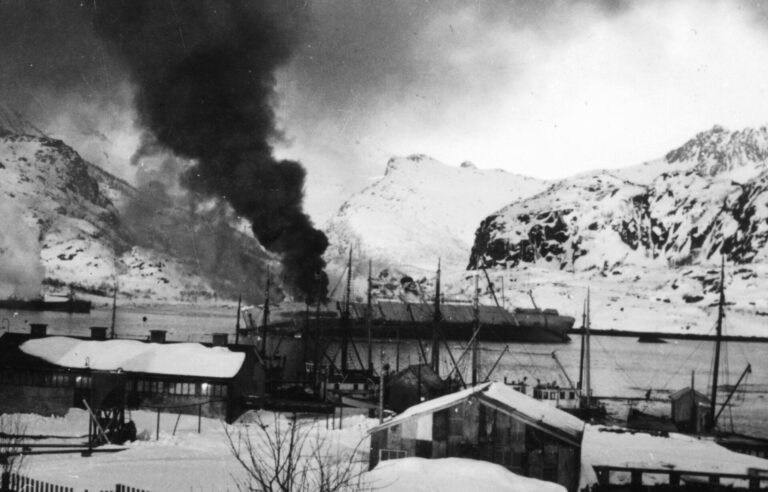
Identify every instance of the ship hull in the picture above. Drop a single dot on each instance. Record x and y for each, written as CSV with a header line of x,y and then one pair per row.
x,y
552,330
69,306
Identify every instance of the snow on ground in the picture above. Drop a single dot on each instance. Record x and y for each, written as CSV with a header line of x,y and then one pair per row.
x,y
424,475
181,459
607,447
131,355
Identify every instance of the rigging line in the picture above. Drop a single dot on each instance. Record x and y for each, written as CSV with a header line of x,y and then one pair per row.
x,y
683,364
621,369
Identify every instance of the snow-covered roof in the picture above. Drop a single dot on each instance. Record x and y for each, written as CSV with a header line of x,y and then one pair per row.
x,y
500,393
182,359
677,394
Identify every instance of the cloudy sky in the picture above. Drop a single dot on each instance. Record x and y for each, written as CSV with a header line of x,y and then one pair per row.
x,y
541,88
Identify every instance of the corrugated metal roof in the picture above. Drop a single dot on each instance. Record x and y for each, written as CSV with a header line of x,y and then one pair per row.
x,y
402,312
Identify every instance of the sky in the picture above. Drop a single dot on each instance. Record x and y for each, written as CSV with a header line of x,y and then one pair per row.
x,y
541,88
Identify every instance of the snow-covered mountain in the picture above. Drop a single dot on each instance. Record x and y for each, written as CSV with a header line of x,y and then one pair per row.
x,y
419,211
705,198
68,224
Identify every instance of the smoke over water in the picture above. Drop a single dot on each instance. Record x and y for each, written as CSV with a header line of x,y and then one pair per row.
x,y
21,273
204,77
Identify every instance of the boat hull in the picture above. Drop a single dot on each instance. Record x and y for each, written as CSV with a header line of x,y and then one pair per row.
x,y
68,306
553,330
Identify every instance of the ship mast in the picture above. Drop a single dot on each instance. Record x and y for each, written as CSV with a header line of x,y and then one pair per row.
x,y
477,327
266,316
368,316
345,317
718,338
587,356
437,317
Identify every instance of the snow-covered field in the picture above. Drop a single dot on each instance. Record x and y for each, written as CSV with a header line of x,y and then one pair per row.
x,y
183,460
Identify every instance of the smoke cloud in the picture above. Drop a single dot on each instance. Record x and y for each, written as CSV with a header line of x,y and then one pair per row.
x,y
205,77
21,273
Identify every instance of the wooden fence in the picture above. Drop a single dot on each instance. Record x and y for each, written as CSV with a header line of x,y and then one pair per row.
x,y
752,480
12,482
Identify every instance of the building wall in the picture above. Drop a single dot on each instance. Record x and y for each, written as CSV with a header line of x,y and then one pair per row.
x,y
36,399
473,430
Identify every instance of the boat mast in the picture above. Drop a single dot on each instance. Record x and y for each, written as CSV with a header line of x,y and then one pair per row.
x,y
368,316
587,355
583,336
345,317
114,310
477,326
237,323
266,316
718,337
437,317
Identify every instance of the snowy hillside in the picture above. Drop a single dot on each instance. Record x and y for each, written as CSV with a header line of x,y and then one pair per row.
x,y
711,199
648,234
419,211
69,224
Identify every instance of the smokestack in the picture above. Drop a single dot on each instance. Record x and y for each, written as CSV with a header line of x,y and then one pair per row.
x,y
205,76
38,330
220,340
98,332
157,336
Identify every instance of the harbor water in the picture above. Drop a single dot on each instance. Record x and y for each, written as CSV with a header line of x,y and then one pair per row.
x,y
621,368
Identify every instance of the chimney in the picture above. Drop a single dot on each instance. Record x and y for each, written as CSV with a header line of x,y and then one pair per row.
x,y
220,340
38,330
98,332
157,336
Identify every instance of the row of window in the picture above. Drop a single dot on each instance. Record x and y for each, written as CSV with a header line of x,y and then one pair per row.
x,y
145,386
184,389
552,394
48,379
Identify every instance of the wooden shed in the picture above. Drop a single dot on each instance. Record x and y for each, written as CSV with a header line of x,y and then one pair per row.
x,y
690,410
490,422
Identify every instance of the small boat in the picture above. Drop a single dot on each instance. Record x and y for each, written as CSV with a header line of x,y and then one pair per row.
x,y
650,339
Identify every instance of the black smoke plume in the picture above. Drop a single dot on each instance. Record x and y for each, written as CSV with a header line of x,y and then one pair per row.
x,y
205,74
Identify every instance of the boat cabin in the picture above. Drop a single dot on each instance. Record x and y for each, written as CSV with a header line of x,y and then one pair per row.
x,y
690,410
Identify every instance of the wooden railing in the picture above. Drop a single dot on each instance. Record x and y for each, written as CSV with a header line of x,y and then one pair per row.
x,y
13,482
753,478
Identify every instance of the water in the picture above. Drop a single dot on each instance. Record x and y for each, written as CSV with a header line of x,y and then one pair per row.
x,y
621,367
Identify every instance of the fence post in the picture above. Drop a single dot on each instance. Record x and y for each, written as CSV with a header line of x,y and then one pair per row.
x,y
5,482
157,432
199,417
637,478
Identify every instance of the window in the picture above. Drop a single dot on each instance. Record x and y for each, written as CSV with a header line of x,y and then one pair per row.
x,y
545,395
391,454
562,395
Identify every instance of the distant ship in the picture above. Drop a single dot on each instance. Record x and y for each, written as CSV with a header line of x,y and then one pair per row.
x,y
56,303
391,320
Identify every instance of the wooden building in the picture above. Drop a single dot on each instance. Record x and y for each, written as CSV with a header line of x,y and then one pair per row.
x,y
50,375
690,410
490,422
411,386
